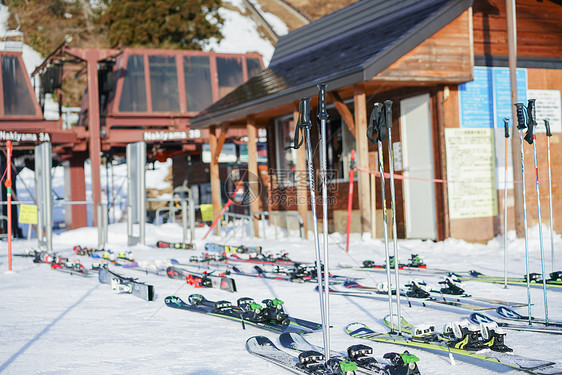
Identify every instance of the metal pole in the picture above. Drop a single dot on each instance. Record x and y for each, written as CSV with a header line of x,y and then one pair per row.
x,y
531,112
350,199
548,135
9,196
388,107
323,117
191,220
506,130
184,220
521,126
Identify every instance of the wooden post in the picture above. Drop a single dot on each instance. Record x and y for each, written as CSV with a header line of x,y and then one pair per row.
x,y
78,192
253,177
214,171
302,187
360,110
94,129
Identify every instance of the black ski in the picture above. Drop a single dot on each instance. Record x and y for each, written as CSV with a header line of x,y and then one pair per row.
x,y
478,318
308,362
270,317
394,363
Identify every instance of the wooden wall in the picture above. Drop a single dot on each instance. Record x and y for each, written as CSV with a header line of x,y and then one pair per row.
x,y
539,28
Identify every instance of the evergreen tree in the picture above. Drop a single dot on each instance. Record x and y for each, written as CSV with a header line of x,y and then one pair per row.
x,y
184,24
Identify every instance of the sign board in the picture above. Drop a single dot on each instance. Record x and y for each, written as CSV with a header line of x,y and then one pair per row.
x,y
548,107
206,212
470,173
28,214
262,153
24,137
228,153
486,100
164,136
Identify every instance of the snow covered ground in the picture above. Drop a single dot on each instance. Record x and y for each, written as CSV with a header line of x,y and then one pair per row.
x,y
53,323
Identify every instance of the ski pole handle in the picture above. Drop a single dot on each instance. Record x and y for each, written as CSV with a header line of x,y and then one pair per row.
x,y
547,126
322,113
304,113
532,111
506,127
521,122
388,107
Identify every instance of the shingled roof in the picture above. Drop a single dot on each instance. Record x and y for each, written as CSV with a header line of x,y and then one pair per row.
x,y
349,46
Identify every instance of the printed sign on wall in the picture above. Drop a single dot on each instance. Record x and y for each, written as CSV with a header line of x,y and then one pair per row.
x,y
470,173
548,107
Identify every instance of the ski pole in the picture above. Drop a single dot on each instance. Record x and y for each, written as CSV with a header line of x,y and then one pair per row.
x,y
532,139
323,116
350,198
377,125
521,126
228,203
304,124
548,135
506,129
388,121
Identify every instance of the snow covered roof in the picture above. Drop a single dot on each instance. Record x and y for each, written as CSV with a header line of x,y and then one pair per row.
x,y
346,47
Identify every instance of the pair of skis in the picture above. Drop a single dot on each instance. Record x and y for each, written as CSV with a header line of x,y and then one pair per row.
x,y
202,279
270,316
425,337
310,360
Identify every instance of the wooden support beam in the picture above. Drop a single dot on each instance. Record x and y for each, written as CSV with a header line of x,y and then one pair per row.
x,y
360,103
214,172
342,109
219,145
77,188
253,176
302,187
94,146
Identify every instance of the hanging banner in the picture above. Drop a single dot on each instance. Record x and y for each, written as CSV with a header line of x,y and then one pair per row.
x,y
471,173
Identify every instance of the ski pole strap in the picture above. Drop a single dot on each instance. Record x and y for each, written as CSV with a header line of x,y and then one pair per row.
x,y
547,126
532,120
376,125
506,126
303,123
388,108
521,122
322,113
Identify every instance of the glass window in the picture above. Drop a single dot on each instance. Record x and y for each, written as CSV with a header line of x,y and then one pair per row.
x,y
164,83
17,98
286,158
198,87
133,97
230,74
254,67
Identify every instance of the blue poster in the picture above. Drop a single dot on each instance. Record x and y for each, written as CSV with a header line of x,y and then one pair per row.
x,y
485,101
502,93
477,100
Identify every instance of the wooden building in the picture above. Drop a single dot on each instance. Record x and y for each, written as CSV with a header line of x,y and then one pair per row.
x,y
443,64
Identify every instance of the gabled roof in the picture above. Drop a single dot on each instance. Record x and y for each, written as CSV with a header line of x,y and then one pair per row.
x,y
349,46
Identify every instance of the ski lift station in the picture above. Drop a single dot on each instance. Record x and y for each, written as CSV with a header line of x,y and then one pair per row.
x,y
226,121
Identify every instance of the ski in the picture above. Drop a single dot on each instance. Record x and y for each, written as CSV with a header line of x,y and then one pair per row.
x,y
434,342
72,268
535,280
309,362
126,284
176,245
270,317
215,247
510,314
360,355
202,280
478,318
